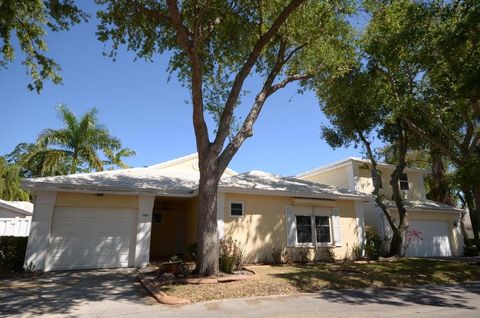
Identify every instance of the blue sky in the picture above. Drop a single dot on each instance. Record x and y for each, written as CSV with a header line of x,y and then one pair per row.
x,y
149,113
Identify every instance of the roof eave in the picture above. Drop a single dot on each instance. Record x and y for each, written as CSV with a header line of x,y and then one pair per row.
x,y
295,193
106,190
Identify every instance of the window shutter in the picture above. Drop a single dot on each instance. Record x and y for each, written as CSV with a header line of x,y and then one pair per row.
x,y
291,226
337,237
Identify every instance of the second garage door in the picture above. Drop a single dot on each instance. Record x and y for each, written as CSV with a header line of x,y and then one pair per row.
x,y
436,239
92,238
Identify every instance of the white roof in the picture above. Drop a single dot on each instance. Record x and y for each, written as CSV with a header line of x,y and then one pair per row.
x,y
24,207
260,182
348,160
425,205
157,180
135,180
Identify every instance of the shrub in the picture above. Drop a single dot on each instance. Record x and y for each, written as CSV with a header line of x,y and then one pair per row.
x,y
373,245
413,235
231,255
277,254
288,256
356,252
12,253
238,256
303,254
470,248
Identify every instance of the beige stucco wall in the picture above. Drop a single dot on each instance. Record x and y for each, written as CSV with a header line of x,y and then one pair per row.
x,y
363,181
263,226
337,177
91,200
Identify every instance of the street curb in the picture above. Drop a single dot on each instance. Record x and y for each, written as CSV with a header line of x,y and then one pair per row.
x,y
159,295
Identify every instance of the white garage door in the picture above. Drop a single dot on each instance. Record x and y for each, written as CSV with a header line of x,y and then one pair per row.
x,y
92,238
436,239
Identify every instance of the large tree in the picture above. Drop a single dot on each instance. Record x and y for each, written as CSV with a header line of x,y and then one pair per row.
x,y
449,117
362,110
213,47
26,22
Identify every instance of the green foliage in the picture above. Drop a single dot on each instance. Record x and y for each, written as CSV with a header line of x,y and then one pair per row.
x,y
12,253
10,180
115,158
373,245
316,35
76,145
28,21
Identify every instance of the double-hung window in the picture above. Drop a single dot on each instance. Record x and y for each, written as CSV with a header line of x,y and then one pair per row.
x,y
322,229
304,229
313,229
404,182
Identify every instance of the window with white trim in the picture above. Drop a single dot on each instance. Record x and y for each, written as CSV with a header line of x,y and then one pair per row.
x,y
313,228
322,229
404,182
236,209
304,228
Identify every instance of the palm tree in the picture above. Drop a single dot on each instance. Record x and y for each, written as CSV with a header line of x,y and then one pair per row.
x,y
115,158
77,144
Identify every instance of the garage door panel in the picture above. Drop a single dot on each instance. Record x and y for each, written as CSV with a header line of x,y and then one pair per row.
x,y
92,238
91,244
436,239
89,262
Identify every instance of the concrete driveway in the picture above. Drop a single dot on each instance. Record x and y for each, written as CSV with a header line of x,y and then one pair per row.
x,y
116,293
69,293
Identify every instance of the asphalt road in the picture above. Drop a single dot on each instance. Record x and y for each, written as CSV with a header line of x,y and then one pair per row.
x,y
115,293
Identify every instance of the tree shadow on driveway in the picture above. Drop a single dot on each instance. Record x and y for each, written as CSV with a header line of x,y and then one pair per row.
x,y
59,292
452,296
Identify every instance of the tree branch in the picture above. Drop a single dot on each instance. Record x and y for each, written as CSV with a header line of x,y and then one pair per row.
x,y
441,146
190,47
379,199
292,78
227,114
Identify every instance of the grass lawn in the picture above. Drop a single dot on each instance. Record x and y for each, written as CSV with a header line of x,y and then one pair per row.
x,y
281,280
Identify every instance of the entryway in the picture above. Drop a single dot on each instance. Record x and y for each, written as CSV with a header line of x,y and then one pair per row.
x,y
173,226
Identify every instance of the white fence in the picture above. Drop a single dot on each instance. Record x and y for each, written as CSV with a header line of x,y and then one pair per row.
x,y
15,226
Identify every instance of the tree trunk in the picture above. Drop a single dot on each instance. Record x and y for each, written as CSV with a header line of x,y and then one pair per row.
x,y
439,189
207,234
73,168
475,214
399,232
470,201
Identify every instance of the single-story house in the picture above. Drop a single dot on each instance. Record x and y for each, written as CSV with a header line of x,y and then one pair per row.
x,y
125,218
15,217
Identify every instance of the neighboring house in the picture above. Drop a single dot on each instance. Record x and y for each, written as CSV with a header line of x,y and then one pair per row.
x,y
15,217
127,217
437,222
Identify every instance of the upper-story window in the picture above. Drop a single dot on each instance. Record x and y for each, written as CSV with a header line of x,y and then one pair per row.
x,y
374,177
404,182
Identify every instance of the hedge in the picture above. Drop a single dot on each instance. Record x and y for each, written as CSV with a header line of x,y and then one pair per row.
x,y
12,253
